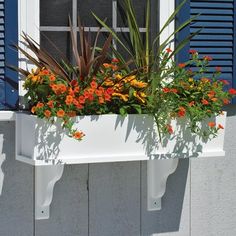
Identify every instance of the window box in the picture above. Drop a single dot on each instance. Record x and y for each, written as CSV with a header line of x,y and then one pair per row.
x,y
109,138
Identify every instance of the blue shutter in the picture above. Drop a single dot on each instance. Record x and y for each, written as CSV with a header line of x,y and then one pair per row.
x,y
8,35
217,36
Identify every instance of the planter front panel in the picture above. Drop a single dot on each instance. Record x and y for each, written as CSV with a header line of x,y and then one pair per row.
x,y
109,138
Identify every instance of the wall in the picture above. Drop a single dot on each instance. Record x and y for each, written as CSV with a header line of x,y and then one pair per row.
x,y
110,199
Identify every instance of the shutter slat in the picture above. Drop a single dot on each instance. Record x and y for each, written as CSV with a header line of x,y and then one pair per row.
x,y
216,38
2,55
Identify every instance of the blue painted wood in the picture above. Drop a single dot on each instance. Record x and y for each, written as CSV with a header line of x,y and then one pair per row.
x,y
11,56
217,38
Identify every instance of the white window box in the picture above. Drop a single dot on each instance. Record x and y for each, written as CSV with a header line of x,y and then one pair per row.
x,y
109,138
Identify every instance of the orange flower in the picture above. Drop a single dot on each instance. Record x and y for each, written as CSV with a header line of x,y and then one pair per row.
x,y
101,100
86,94
71,114
52,78
93,84
226,101
62,88
78,135
69,99
98,92
191,103
91,97
75,102
205,80
33,109
60,113
212,124
47,113
81,99
40,105
71,92
220,126
211,94
218,68
205,102
76,89
55,88
181,112
45,72
214,99
50,103
106,65
107,97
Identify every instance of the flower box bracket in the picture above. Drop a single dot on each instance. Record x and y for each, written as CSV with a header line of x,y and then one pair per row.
x,y
158,172
45,180
46,177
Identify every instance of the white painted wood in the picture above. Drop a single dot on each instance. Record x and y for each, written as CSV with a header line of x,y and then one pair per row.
x,y
69,208
174,217
16,201
28,22
7,116
167,7
157,173
45,180
129,138
114,199
213,191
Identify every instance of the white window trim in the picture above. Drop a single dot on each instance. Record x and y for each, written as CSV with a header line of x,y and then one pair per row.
x,y
28,22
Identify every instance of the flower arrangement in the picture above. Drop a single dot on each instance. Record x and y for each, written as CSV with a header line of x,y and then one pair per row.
x,y
100,84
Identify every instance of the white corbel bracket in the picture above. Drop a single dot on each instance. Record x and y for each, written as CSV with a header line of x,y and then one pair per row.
x,y
45,180
157,174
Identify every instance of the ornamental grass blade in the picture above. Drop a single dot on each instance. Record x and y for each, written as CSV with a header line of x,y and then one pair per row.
x,y
74,45
17,69
27,55
45,58
103,53
114,35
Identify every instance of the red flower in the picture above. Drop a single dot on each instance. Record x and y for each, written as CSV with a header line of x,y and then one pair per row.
x,y
205,102
168,50
225,82
181,65
169,129
212,124
115,60
74,83
220,126
174,90
208,58
232,91
181,112
218,69
165,90
192,51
